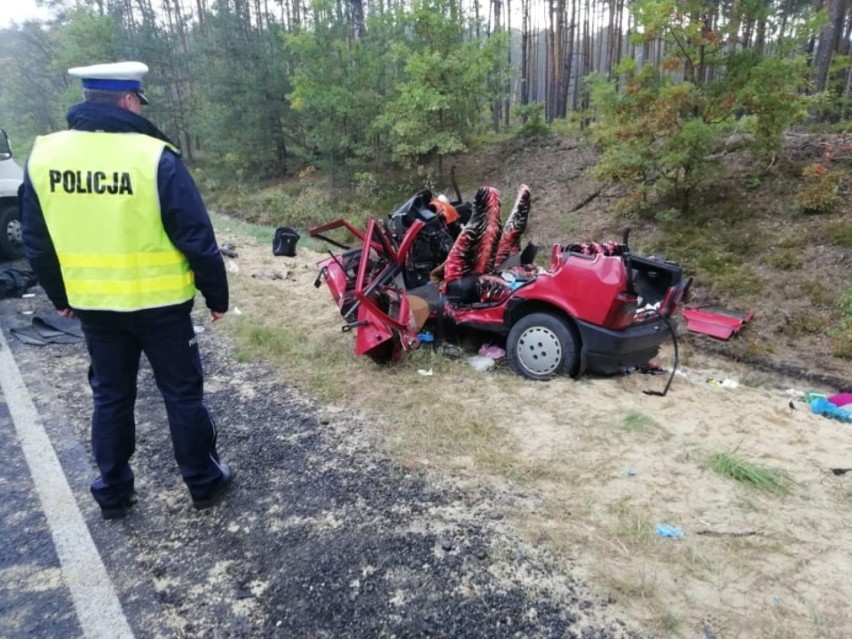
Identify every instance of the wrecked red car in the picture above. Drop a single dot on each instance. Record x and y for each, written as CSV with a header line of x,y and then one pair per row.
x,y
433,268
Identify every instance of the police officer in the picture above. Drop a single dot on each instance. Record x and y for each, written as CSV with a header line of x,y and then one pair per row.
x,y
116,232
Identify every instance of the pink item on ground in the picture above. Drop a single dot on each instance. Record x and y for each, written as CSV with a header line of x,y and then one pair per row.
x,y
494,352
841,399
716,322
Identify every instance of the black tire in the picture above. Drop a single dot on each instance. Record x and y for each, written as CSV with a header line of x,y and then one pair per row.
x,y
541,346
11,244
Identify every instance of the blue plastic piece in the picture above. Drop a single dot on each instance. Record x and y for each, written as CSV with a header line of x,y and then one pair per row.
x,y
672,532
425,337
821,406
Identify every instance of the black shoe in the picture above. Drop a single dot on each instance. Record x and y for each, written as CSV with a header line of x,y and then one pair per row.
x,y
218,491
119,512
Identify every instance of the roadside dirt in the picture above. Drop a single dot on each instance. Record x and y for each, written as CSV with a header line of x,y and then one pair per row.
x,y
599,464
323,536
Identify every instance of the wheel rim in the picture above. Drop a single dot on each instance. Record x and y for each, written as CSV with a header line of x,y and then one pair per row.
x,y
540,351
14,232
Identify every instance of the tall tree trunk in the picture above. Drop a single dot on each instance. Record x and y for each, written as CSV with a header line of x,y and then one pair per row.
x,y
525,52
550,83
537,74
616,35
575,64
497,104
508,99
587,53
356,20
477,17
827,43
567,62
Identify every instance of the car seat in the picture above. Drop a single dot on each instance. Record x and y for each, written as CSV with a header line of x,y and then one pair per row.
x,y
483,245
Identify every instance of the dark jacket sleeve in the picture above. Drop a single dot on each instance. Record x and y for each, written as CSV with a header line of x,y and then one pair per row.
x,y
188,225
38,247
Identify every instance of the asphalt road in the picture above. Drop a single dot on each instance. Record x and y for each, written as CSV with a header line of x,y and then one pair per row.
x,y
323,535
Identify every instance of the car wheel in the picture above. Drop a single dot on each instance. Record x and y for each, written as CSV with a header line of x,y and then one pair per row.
x,y
11,237
541,346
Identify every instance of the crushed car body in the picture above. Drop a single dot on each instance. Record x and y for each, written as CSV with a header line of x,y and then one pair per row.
x,y
438,266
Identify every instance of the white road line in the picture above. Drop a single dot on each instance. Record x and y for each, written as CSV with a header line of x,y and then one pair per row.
x,y
95,600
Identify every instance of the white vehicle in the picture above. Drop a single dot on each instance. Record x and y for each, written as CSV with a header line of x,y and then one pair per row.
x,y
11,176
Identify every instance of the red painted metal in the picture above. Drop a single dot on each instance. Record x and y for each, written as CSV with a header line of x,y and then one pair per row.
x,y
595,290
715,322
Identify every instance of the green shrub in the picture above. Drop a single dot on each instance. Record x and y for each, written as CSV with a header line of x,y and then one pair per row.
x,y
366,185
820,191
658,126
532,119
828,182
269,207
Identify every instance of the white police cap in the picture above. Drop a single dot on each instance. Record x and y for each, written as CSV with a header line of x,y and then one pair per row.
x,y
113,76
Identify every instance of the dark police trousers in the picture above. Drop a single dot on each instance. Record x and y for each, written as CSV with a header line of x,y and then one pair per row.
x,y
115,341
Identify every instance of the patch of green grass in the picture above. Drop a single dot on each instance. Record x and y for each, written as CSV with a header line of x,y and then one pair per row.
x,y
797,241
261,232
669,623
739,280
846,307
757,346
713,261
841,336
486,138
313,362
444,431
840,232
713,245
818,293
735,467
806,323
314,198
635,421
752,181
565,126
784,259
841,343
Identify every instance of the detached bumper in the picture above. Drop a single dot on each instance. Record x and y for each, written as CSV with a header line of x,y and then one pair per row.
x,y
607,352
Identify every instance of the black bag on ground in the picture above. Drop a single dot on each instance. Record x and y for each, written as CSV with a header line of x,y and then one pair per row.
x,y
284,242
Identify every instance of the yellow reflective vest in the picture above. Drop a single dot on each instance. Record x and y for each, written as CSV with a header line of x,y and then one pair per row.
x,y
98,193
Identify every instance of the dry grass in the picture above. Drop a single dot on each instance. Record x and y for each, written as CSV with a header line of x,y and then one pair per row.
x,y
598,465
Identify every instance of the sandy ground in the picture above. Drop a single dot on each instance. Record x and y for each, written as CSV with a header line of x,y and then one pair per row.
x,y
604,464
323,535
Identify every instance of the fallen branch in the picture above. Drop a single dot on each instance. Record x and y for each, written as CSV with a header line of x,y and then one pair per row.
x,y
723,533
587,200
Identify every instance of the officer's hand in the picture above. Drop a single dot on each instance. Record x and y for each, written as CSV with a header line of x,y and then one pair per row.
x,y
216,316
66,312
